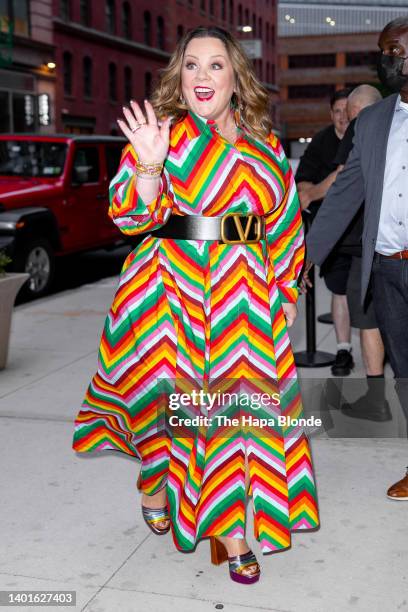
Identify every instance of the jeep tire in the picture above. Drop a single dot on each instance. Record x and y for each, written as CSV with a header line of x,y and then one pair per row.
x,y
38,260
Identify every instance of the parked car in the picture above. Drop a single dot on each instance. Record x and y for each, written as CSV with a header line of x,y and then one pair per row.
x,y
54,200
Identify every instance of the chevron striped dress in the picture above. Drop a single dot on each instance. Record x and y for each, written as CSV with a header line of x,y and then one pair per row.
x,y
207,315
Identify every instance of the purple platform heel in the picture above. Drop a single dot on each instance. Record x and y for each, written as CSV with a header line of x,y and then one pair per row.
x,y
238,565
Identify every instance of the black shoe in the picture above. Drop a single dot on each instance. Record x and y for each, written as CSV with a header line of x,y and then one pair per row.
x,y
363,408
343,363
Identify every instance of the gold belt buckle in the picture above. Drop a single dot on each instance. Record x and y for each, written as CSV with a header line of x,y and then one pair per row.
x,y
243,232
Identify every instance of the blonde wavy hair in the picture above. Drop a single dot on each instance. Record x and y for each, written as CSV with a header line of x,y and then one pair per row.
x,y
251,97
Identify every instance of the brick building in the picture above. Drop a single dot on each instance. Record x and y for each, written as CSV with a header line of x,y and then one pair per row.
x,y
108,51
27,79
323,47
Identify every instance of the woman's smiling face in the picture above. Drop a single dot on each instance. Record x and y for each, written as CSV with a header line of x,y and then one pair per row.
x,y
207,77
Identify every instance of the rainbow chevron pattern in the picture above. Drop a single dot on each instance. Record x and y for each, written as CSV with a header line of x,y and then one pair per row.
x,y
202,313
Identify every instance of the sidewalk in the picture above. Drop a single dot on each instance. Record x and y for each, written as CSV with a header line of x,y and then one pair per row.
x,y
73,522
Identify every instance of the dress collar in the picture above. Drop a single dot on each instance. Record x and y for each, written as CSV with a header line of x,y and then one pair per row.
x,y
195,124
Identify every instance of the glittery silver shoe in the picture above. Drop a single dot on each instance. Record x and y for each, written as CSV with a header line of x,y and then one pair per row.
x,y
153,516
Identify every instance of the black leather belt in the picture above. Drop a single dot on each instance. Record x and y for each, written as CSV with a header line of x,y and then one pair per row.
x,y
231,228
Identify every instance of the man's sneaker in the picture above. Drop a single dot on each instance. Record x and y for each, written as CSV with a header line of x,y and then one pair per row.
x,y
343,363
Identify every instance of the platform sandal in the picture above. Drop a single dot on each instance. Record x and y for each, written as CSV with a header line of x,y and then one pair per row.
x,y
153,516
238,565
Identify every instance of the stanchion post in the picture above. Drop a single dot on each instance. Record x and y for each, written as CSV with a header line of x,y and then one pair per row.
x,y
311,358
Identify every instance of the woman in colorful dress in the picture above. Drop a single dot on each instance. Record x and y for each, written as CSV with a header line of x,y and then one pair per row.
x,y
205,301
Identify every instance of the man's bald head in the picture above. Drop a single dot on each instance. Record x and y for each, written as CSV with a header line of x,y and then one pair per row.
x,y
360,97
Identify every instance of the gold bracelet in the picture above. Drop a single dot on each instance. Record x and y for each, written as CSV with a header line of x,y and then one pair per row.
x,y
145,175
152,172
149,173
154,163
149,168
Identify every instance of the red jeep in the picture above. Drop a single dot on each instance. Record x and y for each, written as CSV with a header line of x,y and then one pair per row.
x,y
54,200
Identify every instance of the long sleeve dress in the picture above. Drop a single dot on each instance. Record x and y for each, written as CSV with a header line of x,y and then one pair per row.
x,y
204,311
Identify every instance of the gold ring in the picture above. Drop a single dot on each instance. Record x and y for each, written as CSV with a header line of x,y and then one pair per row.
x,y
138,126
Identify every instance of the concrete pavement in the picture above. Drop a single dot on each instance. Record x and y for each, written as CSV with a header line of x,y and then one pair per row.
x,y
73,522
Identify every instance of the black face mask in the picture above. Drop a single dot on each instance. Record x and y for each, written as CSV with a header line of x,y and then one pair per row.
x,y
390,69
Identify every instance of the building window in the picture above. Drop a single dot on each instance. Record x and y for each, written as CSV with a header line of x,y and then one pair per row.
x,y
231,11
160,32
240,15
260,27
67,72
110,16
254,24
4,20
180,32
18,115
324,60
65,10
126,20
296,92
211,7
23,112
20,16
202,6
5,118
147,85
87,76
362,58
128,84
223,13
112,82
147,28
85,12
267,33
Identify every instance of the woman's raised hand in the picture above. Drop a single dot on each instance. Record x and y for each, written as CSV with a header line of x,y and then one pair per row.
x,y
149,141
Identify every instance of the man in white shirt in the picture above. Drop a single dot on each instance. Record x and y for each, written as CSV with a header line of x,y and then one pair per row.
x,y
377,172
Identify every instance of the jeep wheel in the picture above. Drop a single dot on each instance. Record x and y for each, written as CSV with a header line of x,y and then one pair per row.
x,y
37,259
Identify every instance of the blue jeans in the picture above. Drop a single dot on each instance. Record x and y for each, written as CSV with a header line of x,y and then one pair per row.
x,y
390,298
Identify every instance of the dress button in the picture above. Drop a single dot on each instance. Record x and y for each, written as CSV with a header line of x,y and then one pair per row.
x,y
400,195
404,167
400,223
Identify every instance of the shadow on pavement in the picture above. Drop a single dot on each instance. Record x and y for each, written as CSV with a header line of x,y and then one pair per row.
x,y
75,270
